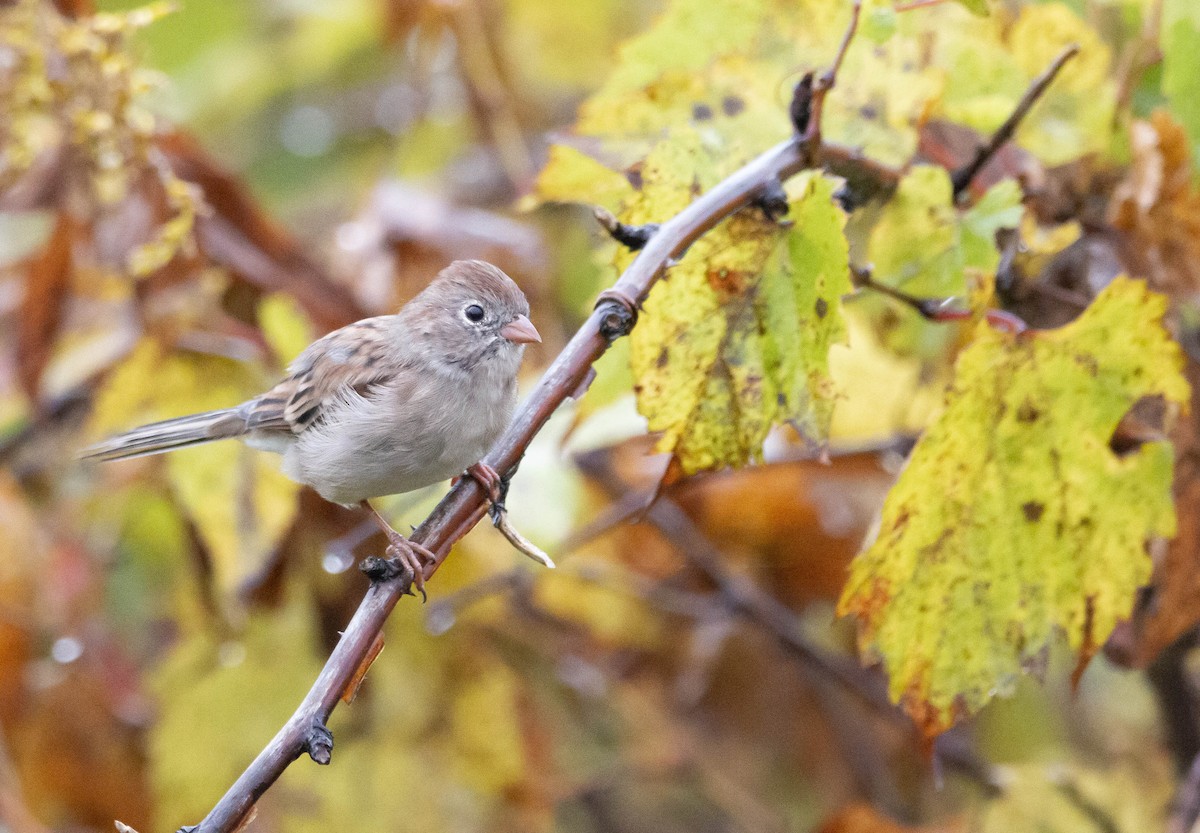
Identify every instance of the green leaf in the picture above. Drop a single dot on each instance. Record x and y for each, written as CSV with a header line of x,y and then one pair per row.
x,y
725,68
1014,520
925,246
989,62
736,339
1181,63
979,7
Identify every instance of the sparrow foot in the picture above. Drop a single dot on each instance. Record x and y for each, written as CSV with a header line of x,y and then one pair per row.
x,y
319,742
403,556
413,557
489,479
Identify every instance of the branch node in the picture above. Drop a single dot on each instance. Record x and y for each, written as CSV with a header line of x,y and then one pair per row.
x,y
773,201
382,570
318,743
632,237
800,109
620,313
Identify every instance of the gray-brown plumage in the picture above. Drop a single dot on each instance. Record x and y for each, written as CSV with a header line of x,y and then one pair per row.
x,y
385,405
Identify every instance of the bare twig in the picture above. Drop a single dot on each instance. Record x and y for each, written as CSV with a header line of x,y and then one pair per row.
x,y
1140,54
746,599
465,504
963,176
917,4
1186,808
940,310
809,99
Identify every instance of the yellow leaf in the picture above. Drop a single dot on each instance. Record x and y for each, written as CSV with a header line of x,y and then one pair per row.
x,y
1014,520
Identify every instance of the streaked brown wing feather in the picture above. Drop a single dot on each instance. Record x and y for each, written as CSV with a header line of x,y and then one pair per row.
x,y
346,359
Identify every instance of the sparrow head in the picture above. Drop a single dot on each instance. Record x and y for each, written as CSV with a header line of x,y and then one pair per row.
x,y
474,313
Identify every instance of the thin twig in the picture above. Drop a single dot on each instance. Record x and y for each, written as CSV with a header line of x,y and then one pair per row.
x,y
963,176
917,4
746,599
811,129
465,504
1186,808
1139,55
938,310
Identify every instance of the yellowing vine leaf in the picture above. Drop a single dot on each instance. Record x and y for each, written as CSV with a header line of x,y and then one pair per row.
x,y
736,339
925,246
988,63
1014,519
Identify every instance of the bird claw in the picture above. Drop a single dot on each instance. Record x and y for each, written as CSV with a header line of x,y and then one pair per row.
x,y
413,558
489,479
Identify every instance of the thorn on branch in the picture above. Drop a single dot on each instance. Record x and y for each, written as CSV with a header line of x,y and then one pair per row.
x,y
620,313
319,742
632,237
773,201
801,107
962,178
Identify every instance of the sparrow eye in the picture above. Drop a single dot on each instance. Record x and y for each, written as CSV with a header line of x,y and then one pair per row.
x,y
474,313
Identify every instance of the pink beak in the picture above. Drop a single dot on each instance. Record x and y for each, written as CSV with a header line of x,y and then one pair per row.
x,y
521,331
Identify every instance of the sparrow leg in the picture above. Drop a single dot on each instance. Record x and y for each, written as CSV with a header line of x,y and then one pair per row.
x,y
411,554
489,479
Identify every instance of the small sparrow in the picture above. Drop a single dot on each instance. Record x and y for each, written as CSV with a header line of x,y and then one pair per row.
x,y
385,405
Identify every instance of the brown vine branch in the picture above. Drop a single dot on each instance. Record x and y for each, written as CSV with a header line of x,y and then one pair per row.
x,y
466,503
961,178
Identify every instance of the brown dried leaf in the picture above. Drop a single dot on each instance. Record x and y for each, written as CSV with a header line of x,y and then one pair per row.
x,y
238,236
1158,207
862,818
46,283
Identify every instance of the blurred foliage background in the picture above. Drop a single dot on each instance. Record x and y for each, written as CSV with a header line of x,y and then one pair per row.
x,y
189,195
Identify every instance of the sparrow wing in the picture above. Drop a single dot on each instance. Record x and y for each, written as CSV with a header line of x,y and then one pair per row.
x,y
350,359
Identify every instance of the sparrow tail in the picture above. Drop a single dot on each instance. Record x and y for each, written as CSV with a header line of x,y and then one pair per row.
x,y
169,434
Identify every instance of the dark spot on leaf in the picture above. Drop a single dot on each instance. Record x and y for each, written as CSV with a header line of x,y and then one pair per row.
x,y
781,400
868,112
701,112
1033,511
1088,363
634,175
732,105
1027,413
821,307
664,356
